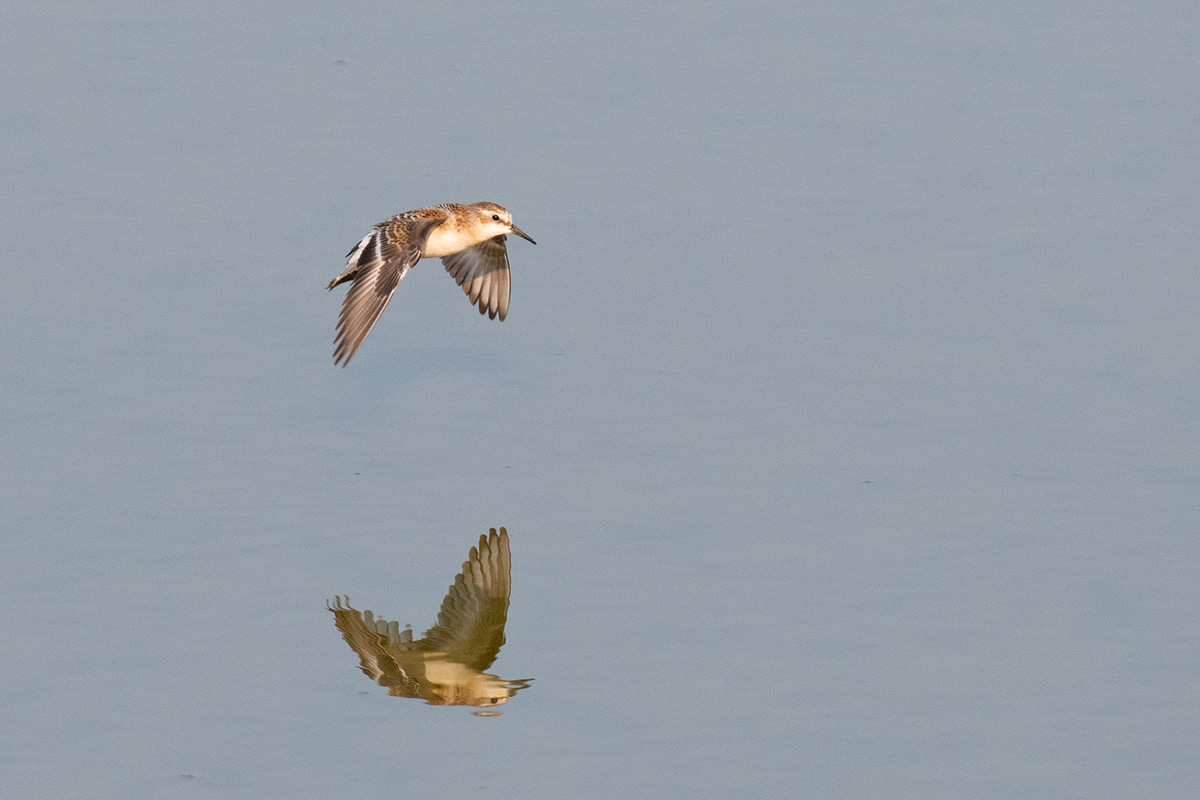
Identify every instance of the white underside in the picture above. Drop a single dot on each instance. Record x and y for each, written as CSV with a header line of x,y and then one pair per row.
x,y
444,241
453,236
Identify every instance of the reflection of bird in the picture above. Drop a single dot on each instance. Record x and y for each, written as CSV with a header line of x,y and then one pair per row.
x,y
446,665
469,239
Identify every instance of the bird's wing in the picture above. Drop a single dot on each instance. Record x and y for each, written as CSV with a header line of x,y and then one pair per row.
x,y
482,272
470,626
379,262
364,639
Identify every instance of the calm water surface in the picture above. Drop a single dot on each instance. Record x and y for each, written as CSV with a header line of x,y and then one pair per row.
x,y
844,422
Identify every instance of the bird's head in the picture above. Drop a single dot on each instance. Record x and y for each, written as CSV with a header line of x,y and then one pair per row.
x,y
496,218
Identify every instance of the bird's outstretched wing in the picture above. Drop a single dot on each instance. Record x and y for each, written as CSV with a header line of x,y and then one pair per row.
x,y
470,625
482,272
376,264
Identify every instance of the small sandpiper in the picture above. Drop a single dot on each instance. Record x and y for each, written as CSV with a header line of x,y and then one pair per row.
x,y
469,239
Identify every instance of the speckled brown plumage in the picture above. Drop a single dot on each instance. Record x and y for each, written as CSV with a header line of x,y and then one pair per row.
x,y
470,240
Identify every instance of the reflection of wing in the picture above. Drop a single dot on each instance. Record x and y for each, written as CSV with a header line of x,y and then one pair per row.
x,y
482,272
361,632
470,626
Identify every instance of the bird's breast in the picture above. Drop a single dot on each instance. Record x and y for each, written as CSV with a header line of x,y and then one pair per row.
x,y
445,240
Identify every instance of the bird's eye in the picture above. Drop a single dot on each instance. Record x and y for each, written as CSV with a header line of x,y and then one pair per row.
x,y
496,217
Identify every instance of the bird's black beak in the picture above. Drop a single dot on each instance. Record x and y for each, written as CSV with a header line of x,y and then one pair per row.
x,y
522,234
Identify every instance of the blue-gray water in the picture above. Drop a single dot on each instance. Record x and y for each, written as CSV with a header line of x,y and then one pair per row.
x,y
844,421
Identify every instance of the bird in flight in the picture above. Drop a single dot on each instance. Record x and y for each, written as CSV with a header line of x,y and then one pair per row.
x,y
469,239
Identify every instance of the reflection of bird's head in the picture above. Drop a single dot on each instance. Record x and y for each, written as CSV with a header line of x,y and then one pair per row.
x,y
480,689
